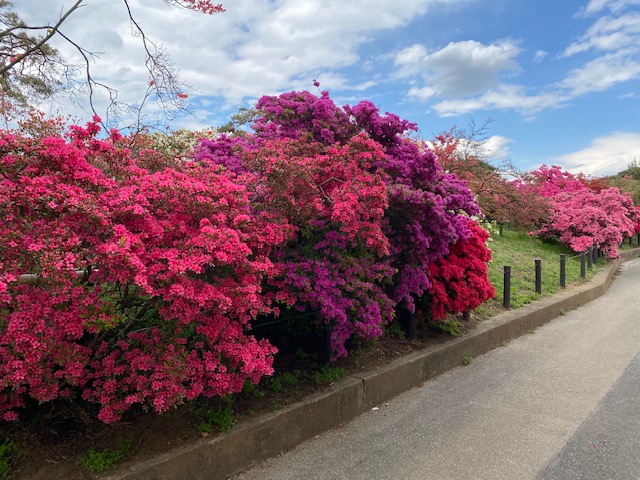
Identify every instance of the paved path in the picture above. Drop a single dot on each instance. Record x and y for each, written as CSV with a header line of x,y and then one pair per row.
x,y
560,403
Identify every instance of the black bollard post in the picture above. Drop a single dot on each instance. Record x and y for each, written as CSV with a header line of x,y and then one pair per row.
x,y
590,258
538,276
583,270
506,293
563,270
596,254
630,240
412,332
466,315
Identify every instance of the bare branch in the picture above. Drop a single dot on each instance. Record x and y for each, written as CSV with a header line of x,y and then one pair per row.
x,y
90,81
51,31
30,68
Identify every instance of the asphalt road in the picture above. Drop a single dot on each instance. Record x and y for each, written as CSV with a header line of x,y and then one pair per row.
x,y
560,403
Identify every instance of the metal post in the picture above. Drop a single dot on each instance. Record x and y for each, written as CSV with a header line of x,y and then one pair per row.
x,y
538,276
466,315
631,240
326,353
506,294
412,333
590,258
563,270
583,270
596,252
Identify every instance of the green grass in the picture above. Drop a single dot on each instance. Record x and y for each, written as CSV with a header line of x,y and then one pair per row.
x,y
328,374
285,382
7,450
104,460
218,418
452,327
519,250
395,329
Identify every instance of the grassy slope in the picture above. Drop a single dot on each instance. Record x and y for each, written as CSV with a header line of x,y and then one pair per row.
x,y
519,250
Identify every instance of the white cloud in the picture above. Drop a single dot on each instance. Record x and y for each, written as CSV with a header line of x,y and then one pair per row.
x,y
253,48
608,33
461,68
596,6
601,74
612,43
497,147
605,156
539,56
615,39
409,59
504,97
422,93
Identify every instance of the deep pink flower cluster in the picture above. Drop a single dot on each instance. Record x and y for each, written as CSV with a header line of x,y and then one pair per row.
x,y
549,181
428,209
581,217
584,219
302,115
176,260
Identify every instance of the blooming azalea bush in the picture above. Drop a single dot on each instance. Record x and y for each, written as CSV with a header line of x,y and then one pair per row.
x,y
459,280
584,219
427,207
335,263
550,181
373,209
331,211
581,217
175,261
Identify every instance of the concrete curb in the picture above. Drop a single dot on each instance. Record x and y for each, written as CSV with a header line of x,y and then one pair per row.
x,y
256,440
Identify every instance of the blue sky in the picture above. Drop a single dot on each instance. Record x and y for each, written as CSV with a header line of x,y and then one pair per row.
x,y
560,79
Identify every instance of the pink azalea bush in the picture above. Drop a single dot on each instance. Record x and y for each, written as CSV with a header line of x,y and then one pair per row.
x,y
581,217
584,219
550,181
131,279
175,261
